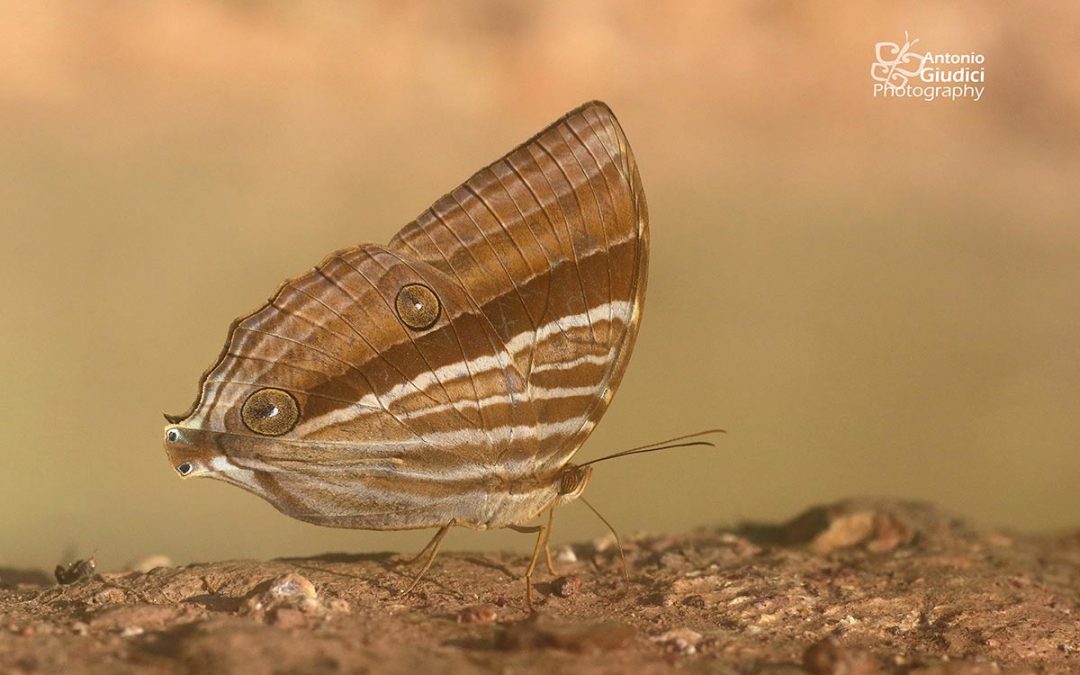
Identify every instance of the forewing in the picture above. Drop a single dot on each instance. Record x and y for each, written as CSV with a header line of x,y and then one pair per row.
x,y
551,244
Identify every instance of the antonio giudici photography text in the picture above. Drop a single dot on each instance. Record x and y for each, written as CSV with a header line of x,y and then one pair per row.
x,y
900,72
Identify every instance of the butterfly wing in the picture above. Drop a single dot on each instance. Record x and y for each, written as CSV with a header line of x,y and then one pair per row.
x,y
538,263
551,244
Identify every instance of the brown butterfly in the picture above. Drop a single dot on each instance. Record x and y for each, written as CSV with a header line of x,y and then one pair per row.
x,y
448,377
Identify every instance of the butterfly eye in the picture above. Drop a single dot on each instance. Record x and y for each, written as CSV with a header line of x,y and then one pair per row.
x,y
569,481
270,412
172,435
417,306
184,469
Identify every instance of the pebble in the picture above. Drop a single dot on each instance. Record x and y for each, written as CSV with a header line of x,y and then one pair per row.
x,y
680,640
565,554
292,586
108,596
288,601
566,586
849,525
845,531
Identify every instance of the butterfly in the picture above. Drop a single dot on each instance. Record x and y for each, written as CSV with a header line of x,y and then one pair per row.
x,y
446,378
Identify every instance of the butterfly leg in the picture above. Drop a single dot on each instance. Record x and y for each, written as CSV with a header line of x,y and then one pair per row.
x,y
541,542
547,539
532,566
439,534
434,544
547,545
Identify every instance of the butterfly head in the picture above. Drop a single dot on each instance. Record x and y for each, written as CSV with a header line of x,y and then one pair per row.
x,y
189,453
572,482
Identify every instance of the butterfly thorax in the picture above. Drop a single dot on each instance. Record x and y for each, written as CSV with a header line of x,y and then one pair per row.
x,y
520,501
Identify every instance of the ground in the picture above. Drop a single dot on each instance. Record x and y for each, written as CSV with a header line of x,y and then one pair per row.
x,y
853,587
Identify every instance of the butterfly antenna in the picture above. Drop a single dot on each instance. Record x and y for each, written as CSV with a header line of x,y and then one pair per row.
x,y
669,444
618,541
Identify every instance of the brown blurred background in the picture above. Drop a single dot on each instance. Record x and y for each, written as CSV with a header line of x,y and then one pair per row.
x,y
873,296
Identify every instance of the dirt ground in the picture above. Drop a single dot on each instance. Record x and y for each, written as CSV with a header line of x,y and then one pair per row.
x,y
853,587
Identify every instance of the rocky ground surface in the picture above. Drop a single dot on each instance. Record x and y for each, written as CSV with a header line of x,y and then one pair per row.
x,y
854,587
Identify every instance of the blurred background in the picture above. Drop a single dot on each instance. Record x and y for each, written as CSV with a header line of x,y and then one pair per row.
x,y
873,296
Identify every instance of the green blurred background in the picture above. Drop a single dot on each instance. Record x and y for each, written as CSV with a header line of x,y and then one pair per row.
x,y
873,296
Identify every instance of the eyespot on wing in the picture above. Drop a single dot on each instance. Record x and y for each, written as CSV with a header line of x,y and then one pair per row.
x,y
270,412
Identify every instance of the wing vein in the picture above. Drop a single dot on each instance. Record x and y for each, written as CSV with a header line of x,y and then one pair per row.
x,y
412,340
599,209
566,223
482,425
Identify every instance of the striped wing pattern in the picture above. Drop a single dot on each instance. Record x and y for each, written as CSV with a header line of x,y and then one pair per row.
x,y
539,264
393,422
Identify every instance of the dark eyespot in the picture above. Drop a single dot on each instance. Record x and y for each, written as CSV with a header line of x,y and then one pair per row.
x,y
417,306
185,468
172,435
270,412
